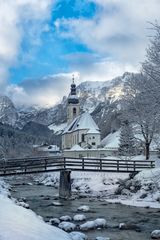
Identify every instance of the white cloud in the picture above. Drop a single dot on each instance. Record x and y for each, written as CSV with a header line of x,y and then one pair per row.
x,y
46,91
93,67
50,90
117,35
15,16
119,29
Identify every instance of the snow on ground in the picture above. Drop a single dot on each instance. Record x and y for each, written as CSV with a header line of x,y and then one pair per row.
x,y
58,129
94,183
4,189
18,223
111,140
143,190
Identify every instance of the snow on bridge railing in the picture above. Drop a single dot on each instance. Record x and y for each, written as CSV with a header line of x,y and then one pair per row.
x,y
46,164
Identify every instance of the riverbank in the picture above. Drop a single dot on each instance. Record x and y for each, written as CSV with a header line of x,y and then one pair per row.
x,y
42,199
16,222
141,190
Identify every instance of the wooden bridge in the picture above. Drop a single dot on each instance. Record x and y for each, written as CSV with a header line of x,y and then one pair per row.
x,y
51,164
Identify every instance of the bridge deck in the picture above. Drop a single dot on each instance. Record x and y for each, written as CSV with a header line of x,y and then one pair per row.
x,y
51,164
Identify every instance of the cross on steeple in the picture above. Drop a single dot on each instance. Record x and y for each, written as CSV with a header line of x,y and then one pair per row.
x,y
73,78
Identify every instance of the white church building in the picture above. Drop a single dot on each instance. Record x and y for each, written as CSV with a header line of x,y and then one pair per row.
x,y
81,132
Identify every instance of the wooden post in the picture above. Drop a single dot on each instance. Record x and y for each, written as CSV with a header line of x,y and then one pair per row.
x,y
64,162
134,166
117,165
152,164
82,163
65,184
100,161
45,166
4,166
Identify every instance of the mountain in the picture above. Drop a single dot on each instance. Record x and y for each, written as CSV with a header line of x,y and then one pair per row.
x,y
101,99
8,112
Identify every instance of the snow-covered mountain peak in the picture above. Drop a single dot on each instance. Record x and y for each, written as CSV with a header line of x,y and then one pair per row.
x,y
8,112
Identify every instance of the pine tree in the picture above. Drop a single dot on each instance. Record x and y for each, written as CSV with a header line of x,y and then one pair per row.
x,y
127,146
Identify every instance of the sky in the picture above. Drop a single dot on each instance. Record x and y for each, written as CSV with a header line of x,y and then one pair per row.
x,y
43,42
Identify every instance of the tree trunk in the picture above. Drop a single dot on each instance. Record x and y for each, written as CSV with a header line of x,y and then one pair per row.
x,y
147,150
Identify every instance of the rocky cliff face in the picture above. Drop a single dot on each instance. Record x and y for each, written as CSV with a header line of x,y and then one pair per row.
x,y
8,112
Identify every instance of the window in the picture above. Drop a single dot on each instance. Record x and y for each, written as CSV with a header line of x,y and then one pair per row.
x,y
93,143
74,111
82,137
93,137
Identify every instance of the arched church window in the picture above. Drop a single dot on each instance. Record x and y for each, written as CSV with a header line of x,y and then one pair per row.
x,y
74,111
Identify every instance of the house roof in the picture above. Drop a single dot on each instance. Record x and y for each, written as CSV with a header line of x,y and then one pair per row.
x,y
76,148
84,121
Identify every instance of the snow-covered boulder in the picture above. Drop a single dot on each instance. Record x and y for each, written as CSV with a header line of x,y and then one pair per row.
x,y
54,221
57,204
23,204
79,217
78,236
65,218
67,226
100,222
129,226
88,225
84,208
155,234
102,238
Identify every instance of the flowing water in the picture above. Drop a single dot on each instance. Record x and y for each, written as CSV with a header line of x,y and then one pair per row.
x,y
40,199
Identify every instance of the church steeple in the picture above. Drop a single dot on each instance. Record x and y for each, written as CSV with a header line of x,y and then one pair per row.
x,y
73,103
73,86
72,96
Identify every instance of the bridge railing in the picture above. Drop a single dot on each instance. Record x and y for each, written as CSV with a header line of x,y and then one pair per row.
x,y
30,165
93,164
46,164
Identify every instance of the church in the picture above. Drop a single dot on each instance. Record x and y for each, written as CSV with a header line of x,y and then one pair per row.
x,y
81,130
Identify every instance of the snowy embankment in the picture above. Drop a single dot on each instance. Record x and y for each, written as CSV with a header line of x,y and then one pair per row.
x,y
18,223
143,190
92,183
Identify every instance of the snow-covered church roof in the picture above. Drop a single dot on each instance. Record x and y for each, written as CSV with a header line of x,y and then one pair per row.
x,y
83,121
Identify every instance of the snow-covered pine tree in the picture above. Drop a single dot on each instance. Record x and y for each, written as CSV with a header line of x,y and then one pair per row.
x,y
127,146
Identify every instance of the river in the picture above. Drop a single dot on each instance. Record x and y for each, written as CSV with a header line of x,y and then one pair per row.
x,y
40,199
